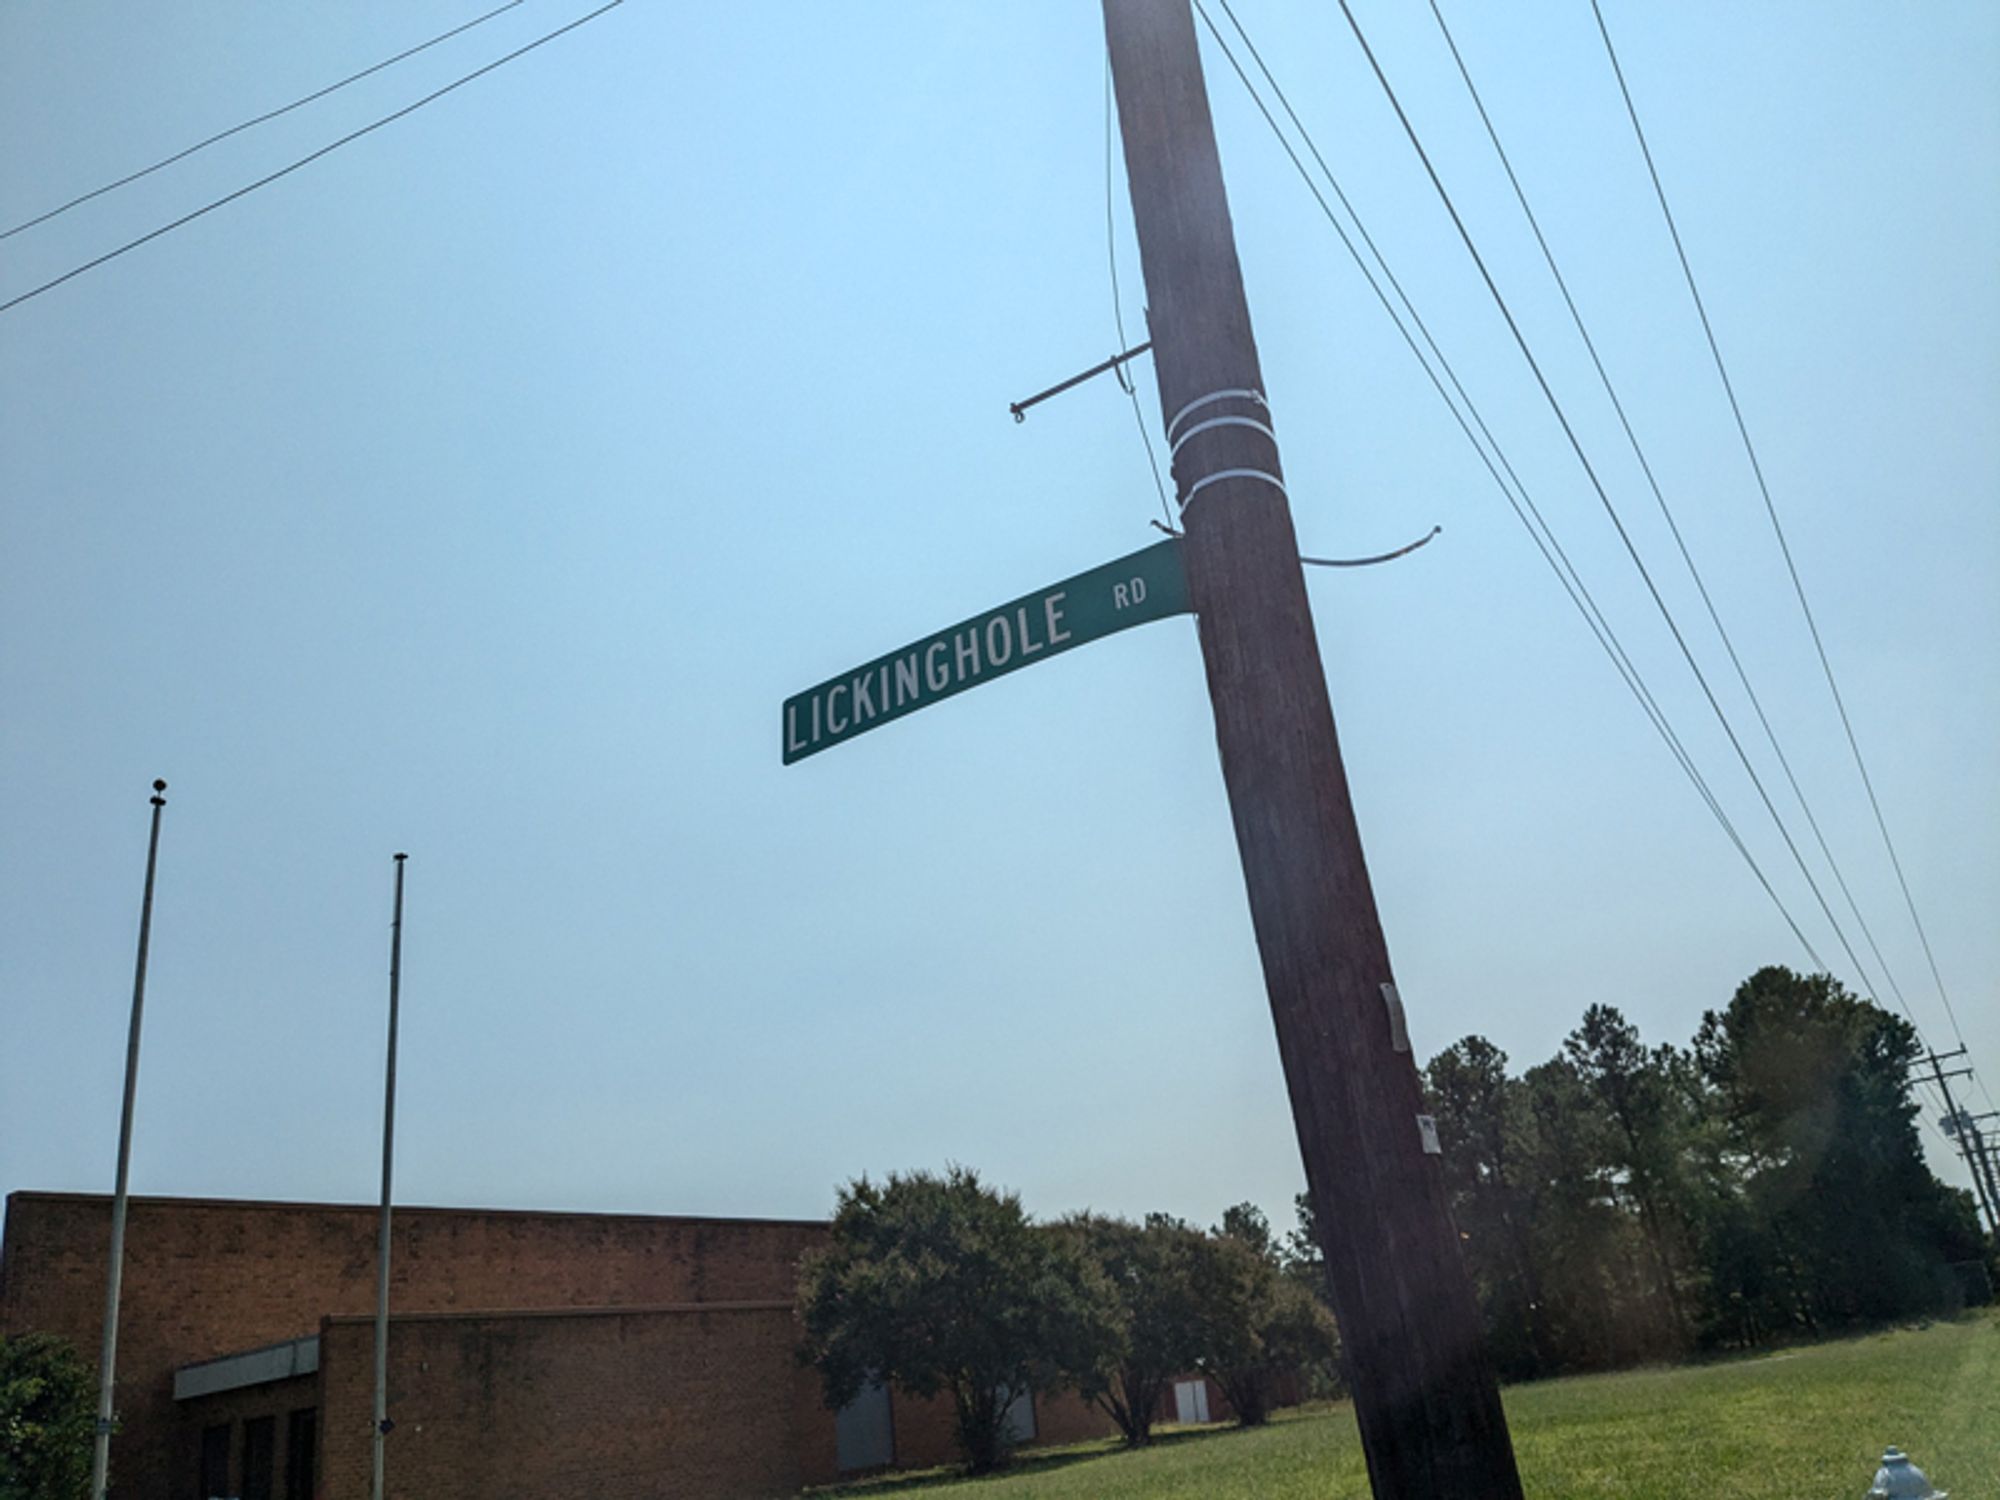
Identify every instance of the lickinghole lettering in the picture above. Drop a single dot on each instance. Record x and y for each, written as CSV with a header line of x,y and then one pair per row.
x,y
947,663
1148,585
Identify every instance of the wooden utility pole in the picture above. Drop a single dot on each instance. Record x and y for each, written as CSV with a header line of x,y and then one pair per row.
x,y
1424,1392
1984,1149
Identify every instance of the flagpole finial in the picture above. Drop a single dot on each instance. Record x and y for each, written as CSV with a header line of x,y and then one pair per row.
x,y
401,857
159,787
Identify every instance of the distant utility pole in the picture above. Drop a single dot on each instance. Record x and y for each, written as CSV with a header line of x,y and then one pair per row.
x,y
1984,1152
1973,1131
1963,1134
1987,1148
107,1359
381,1431
1424,1392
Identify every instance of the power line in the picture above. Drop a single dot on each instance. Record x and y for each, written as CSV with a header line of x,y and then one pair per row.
x,y
1604,498
1610,510
168,161
1117,302
1125,381
1577,591
208,208
1523,506
1606,637
1771,509
1666,511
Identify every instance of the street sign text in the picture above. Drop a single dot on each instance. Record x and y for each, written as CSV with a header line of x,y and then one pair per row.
x,y
1148,585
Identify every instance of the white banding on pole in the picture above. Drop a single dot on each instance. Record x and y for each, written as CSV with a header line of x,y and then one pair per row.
x,y
1220,474
1241,393
1201,427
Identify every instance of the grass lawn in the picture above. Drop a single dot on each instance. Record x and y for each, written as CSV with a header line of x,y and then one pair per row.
x,y
1798,1425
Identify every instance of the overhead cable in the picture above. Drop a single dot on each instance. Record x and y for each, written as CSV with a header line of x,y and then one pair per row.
x,y
1496,464
284,109
1771,509
1117,302
1666,511
1604,498
1605,636
265,181
1577,590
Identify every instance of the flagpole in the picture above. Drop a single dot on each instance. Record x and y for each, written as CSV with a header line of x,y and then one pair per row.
x,y
388,1160
107,1362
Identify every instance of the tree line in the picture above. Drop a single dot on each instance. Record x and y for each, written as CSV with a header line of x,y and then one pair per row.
x,y
1618,1203
944,1287
1622,1202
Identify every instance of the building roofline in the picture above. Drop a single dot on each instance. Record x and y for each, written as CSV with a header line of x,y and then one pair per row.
x,y
595,1310
279,1205
291,1359
271,1348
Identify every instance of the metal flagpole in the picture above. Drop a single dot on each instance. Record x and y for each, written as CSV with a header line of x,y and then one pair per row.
x,y
388,1160
107,1361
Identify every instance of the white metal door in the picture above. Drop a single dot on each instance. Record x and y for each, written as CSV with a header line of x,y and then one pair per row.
x,y
863,1435
1190,1400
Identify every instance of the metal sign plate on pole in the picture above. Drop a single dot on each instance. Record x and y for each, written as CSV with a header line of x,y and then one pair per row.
x,y
1148,585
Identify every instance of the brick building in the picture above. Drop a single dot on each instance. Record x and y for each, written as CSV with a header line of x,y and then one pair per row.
x,y
530,1354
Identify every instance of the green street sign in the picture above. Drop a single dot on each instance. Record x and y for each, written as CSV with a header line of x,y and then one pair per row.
x,y
1148,585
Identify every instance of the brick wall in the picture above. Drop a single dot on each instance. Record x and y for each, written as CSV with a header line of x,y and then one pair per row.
x,y
205,1278
927,1433
1065,1417
277,1400
686,1403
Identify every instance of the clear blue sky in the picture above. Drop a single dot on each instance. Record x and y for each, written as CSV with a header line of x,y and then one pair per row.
x,y
482,489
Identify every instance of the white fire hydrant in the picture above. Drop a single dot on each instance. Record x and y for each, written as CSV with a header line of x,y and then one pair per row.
x,y
1902,1480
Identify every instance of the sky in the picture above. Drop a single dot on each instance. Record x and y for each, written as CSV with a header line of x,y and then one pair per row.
x,y
481,489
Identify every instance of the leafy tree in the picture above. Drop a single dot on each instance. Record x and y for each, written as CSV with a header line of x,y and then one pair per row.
x,y
1301,1255
1579,1237
1235,1287
1299,1335
1642,1096
1480,1128
1221,1303
1301,1262
1812,1085
48,1419
1245,1223
1619,1202
1259,1323
1150,1270
943,1285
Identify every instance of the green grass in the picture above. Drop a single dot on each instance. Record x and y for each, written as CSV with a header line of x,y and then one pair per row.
x,y
1800,1424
